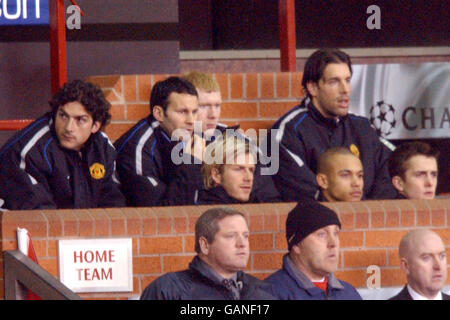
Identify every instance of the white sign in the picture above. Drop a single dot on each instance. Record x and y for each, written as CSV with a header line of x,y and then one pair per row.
x,y
403,101
96,265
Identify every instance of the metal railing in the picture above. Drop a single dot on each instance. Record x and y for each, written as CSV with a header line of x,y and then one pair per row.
x,y
13,125
22,273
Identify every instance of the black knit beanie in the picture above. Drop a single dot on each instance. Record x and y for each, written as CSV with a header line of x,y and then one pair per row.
x,y
307,217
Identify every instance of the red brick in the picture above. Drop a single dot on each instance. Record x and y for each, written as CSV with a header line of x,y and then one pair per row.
x,y
392,277
361,220
275,109
384,238
423,218
32,220
50,265
237,85
101,222
408,219
251,87
377,219
176,263
164,220
267,85
112,96
280,241
149,221
256,124
130,90
160,245
238,110
351,239
192,213
133,221
364,258
70,224
392,219
438,218
86,223
283,84
117,221
144,87
261,242
115,130
109,81
267,261
137,112
356,278
189,244
393,258
222,80
296,85
145,265
54,223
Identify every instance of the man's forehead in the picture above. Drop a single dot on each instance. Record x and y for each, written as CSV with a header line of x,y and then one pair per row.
x,y
336,69
340,162
74,109
421,163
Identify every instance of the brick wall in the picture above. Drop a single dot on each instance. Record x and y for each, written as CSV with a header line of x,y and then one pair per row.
x,y
254,100
163,238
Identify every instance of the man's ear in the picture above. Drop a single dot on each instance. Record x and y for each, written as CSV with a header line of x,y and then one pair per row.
x,y
404,266
204,245
398,184
158,113
322,181
312,88
216,176
96,126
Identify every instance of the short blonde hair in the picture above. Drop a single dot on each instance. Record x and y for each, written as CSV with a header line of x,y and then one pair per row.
x,y
221,152
202,81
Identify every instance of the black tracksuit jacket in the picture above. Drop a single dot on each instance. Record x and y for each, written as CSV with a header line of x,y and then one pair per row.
x,y
37,173
303,134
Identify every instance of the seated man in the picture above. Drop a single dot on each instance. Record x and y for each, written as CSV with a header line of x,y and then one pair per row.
x,y
209,108
323,121
423,259
228,172
159,159
209,103
312,233
62,160
339,175
222,246
414,170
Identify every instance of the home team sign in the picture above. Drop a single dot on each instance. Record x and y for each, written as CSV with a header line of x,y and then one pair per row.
x,y
96,265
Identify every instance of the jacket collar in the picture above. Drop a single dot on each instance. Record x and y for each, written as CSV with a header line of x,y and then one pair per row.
x,y
316,115
218,195
303,281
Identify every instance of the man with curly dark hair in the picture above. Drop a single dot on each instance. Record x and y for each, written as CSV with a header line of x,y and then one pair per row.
x,y
63,159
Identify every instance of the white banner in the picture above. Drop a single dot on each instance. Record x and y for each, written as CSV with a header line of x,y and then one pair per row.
x,y
403,101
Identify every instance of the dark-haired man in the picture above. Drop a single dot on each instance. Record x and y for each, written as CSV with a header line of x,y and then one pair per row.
x,y
413,167
222,246
321,122
159,159
62,160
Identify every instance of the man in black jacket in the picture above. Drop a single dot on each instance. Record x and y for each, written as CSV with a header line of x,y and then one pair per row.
x,y
62,160
159,159
321,122
222,246
423,259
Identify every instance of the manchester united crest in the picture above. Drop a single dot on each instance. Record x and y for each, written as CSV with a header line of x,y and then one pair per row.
x,y
97,170
354,149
